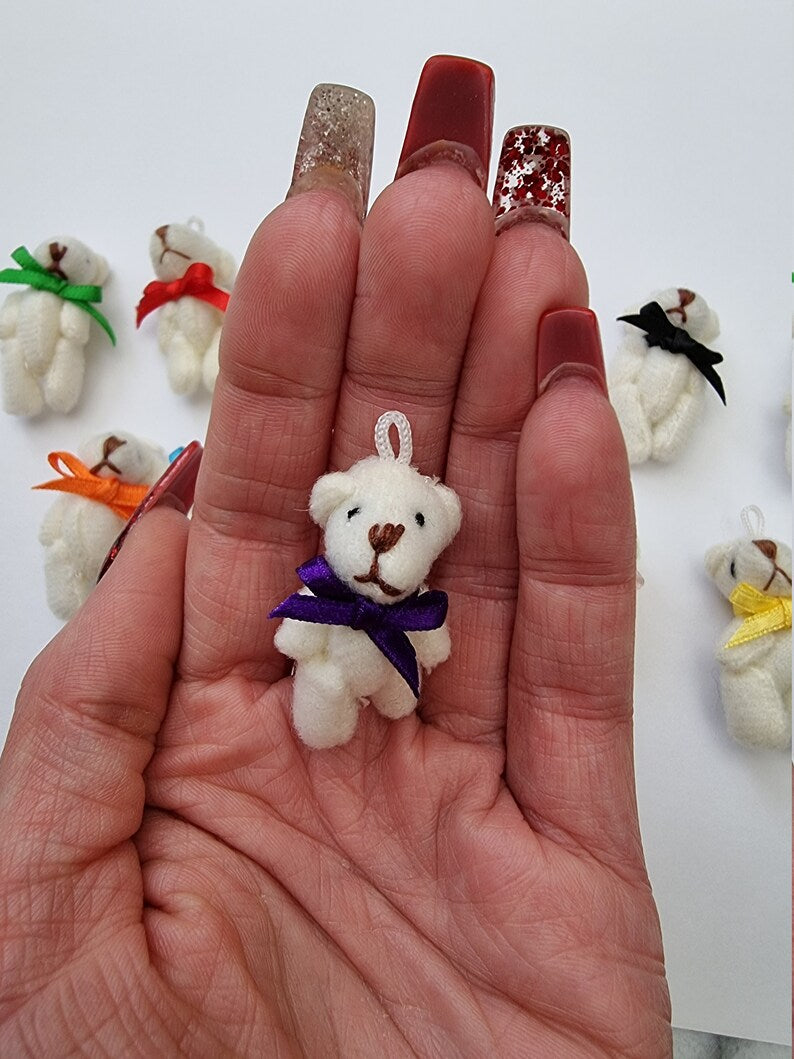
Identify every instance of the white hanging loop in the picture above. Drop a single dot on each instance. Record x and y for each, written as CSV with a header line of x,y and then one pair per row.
x,y
386,451
196,224
753,520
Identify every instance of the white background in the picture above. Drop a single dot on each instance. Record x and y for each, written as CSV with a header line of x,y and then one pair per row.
x,y
115,119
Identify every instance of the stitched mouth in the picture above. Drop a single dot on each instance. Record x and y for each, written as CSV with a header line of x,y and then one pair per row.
x,y
374,578
170,250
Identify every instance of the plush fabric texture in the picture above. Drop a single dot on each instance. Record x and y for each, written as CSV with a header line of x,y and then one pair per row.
x,y
385,524
755,663
658,396
77,531
43,337
189,329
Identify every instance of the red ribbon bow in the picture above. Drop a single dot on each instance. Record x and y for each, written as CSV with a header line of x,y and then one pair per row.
x,y
197,282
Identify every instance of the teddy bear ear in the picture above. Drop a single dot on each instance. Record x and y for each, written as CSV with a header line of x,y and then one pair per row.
x,y
450,506
101,270
328,493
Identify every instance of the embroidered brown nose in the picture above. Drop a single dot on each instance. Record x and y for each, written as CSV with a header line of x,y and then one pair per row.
x,y
109,446
767,548
161,232
383,538
57,252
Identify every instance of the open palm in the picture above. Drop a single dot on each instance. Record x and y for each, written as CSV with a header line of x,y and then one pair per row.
x,y
179,872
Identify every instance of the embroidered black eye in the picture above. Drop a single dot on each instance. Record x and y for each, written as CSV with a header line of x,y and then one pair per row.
x,y
420,518
353,511
733,568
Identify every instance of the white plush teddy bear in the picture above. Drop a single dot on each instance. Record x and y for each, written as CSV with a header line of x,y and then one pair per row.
x,y
366,618
43,332
103,487
658,394
754,651
194,277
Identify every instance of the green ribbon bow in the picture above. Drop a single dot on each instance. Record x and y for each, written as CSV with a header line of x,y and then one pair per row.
x,y
36,275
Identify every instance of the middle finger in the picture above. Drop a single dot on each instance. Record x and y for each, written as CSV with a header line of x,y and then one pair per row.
x,y
424,251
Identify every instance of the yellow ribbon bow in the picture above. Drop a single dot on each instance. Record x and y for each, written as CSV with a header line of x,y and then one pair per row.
x,y
762,614
121,497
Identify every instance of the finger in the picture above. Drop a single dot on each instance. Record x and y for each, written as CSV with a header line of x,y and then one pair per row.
x,y
281,359
533,269
569,724
424,252
90,708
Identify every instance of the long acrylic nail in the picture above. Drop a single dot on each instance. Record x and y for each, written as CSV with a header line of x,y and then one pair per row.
x,y
335,146
174,488
569,343
451,117
533,180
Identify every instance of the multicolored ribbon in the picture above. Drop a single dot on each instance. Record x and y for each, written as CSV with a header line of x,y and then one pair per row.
x,y
762,614
386,624
197,282
36,275
660,331
121,497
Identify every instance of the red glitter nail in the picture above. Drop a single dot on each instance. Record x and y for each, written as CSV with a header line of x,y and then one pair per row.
x,y
174,487
533,181
451,117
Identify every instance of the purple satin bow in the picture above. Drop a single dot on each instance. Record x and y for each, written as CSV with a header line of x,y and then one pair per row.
x,y
386,624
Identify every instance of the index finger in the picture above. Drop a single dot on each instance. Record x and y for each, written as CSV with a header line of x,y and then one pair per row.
x,y
282,353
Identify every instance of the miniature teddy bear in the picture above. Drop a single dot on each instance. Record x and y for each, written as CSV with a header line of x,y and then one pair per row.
x,y
44,333
103,487
365,618
754,651
658,393
194,277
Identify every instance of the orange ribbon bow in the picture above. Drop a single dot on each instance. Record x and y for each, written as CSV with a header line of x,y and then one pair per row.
x,y
121,497
197,282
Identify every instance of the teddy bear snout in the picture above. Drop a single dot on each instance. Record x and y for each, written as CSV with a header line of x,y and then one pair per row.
x,y
383,538
57,253
161,232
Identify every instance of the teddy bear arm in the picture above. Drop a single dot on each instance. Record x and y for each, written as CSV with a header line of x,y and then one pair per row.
x,y
50,529
743,656
627,363
301,640
432,647
9,314
75,324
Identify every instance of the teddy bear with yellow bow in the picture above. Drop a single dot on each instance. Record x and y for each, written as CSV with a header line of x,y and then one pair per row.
x,y
754,651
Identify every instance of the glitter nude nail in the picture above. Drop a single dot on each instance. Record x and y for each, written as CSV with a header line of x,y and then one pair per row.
x,y
533,180
335,146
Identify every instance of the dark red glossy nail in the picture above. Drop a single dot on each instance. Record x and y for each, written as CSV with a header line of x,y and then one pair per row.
x,y
175,488
451,117
533,179
569,343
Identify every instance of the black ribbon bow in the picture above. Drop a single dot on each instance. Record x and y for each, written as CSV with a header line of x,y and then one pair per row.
x,y
660,331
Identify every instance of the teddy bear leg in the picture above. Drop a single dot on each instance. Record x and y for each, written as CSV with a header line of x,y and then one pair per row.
x,y
324,711
67,589
756,713
184,366
633,422
21,392
395,699
210,368
671,434
63,381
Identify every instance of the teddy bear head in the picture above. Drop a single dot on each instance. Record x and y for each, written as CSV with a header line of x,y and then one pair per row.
x,y
173,248
689,310
765,564
385,524
72,260
122,455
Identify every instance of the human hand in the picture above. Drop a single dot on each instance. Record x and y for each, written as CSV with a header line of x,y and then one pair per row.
x,y
180,874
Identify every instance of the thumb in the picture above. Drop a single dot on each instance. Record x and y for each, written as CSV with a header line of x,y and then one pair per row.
x,y
90,707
